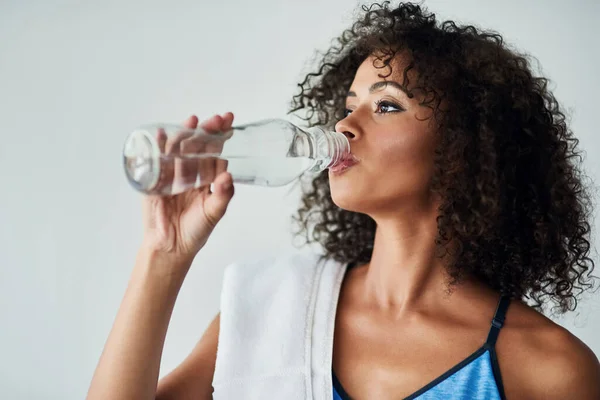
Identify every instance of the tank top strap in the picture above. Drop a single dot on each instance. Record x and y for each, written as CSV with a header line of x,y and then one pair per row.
x,y
498,321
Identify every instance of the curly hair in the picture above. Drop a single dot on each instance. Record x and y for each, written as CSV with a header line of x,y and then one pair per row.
x,y
513,200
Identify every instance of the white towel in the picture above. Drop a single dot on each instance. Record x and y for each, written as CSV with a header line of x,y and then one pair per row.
x,y
276,331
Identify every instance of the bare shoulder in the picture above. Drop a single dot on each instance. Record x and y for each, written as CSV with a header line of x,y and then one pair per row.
x,y
540,359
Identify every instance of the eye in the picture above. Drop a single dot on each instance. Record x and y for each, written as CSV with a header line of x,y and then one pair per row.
x,y
385,107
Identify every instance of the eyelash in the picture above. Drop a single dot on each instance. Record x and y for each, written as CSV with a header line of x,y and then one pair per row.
x,y
378,104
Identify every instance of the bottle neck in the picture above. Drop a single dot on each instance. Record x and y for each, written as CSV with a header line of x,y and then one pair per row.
x,y
327,148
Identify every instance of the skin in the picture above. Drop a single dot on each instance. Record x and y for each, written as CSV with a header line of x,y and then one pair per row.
x,y
397,326
175,229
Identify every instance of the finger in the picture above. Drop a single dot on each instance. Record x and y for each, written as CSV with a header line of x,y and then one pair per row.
x,y
165,180
213,124
223,183
216,204
227,120
188,171
184,168
206,166
191,122
197,168
181,178
161,139
221,165
174,142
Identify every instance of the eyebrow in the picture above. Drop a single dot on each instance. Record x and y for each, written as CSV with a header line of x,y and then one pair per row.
x,y
380,85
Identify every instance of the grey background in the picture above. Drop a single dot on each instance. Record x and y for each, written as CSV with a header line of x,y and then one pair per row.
x,y
76,77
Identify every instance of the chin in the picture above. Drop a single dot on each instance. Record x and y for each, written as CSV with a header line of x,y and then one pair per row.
x,y
362,195
349,194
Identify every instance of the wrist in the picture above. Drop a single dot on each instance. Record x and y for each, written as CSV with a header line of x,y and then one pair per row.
x,y
172,267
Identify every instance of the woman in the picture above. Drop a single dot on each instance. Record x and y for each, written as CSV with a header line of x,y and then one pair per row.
x,y
461,204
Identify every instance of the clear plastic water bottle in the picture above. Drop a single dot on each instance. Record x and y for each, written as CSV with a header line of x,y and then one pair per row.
x,y
170,159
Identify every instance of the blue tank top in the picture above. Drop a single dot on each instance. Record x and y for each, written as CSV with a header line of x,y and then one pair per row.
x,y
475,378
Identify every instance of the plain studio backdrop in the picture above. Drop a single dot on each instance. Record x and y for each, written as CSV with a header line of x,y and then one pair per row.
x,y
76,77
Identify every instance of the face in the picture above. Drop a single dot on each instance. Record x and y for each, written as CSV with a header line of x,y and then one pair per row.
x,y
393,139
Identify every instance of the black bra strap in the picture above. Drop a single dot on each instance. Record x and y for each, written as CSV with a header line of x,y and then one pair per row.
x,y
498,321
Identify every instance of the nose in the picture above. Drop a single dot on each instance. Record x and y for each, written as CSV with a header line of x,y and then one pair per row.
x,y
349,127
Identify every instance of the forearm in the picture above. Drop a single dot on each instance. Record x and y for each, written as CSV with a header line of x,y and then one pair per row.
x,y
130,363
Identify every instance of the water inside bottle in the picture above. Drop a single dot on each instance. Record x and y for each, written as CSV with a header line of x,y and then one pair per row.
x,y
265,171
274,154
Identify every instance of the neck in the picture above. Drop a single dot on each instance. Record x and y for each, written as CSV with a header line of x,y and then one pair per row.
x,y
404,272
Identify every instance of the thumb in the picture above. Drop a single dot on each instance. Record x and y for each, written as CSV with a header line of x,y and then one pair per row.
x,y
216,203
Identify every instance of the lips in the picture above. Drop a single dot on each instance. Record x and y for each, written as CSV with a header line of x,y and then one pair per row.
x,y
344,164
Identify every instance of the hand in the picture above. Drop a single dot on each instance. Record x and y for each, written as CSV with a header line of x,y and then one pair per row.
x,y
179,225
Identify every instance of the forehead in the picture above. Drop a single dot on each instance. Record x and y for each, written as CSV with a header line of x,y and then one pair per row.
x,y
373,69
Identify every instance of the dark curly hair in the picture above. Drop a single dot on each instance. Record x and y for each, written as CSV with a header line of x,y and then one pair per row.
x,y
513,200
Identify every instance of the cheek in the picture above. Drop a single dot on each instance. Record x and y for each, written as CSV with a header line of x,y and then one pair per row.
x,y
413,165
395,166
407,154
401,169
